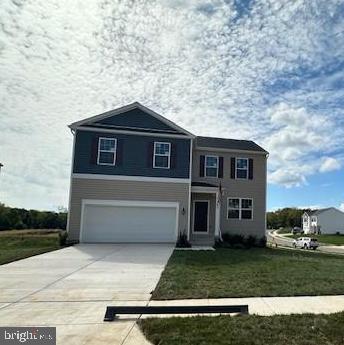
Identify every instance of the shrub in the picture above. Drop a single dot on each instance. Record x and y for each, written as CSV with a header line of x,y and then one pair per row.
x,y
240,241
262,242
62,238
182,241
250,241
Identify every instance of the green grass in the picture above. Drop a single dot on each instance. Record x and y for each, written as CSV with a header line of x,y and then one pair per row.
x,y
304,329
253,272
19,245
337,240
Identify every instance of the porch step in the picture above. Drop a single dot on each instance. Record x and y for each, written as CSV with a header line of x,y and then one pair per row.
x,y
203,242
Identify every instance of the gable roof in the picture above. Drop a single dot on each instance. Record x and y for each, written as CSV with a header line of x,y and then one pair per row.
x,y
104,120
229,144
317,212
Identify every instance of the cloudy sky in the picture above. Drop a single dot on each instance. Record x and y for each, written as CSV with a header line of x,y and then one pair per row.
x,y
271,71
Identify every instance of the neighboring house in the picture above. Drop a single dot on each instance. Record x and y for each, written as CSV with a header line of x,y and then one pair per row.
x,y
324,221
138,177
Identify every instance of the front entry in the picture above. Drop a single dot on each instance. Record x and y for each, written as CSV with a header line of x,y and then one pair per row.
x,y
201,217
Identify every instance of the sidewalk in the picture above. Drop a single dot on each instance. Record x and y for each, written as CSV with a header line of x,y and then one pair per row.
x,y
264,306
267,306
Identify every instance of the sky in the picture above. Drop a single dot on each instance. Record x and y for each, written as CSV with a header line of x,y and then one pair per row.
x,y
268,71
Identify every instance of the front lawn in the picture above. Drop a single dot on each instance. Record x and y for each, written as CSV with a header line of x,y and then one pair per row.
x,y
20,244
252,272
304,329
337,240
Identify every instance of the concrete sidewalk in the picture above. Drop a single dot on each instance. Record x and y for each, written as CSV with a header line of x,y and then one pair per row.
x,y
268,306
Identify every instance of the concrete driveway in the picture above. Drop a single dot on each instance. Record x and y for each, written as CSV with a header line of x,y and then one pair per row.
x,y
70,289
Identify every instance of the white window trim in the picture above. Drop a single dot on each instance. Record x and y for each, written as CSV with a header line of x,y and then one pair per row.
x,y
159,154
240,208
236,168
217,166
114,152
193,218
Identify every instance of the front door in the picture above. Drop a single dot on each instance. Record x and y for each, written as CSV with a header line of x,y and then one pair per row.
x,y
201,216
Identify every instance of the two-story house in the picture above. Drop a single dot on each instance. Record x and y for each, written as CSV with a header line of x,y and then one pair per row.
x,y
323,221
138,177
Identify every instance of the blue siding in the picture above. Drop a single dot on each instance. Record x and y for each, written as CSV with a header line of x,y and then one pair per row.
x,y
136,118
134,160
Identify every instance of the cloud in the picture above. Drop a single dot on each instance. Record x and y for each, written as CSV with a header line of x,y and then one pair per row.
x,y
296,140
267,71
288,178
329,164
341,206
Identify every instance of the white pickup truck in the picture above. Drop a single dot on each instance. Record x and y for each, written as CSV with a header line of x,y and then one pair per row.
x,y
306,243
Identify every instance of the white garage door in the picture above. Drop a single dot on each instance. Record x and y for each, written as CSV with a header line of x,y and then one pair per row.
x,y
131,222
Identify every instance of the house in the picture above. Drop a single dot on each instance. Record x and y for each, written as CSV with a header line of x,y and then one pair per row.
x,y
138,177
325,221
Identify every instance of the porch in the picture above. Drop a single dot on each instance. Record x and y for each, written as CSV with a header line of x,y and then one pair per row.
x,y
205,214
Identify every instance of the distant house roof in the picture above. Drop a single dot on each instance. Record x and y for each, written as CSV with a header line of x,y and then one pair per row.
x,y
316,212
230,144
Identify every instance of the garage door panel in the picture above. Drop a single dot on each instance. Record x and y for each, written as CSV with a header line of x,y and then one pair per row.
x,y
104,223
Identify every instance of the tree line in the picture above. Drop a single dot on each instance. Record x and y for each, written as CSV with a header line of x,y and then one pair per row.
x,y
20,218
285,218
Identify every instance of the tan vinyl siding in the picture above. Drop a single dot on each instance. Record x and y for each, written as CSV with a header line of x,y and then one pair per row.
x,y
125,190
234,188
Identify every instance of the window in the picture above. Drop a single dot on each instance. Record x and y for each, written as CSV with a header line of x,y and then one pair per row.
x,y
239,208
211,166
162,155
107,151
241,168
314,219
233,208
246,208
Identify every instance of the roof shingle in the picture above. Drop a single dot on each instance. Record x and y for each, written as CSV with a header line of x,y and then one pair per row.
x,y
232,144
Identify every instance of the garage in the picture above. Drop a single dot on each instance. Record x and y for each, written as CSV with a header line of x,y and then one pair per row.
x,y
128,221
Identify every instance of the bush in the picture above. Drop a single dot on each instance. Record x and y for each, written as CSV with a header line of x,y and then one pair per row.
x,y
63,238
250,241
233,239
262,242
239,241
182,241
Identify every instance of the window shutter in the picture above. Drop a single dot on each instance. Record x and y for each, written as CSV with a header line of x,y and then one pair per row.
x,y
173,156
201,166
94,150
119,152
250,168
150,150
233,167
220,175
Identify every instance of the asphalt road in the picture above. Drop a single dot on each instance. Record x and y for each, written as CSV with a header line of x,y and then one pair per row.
x,y
275,239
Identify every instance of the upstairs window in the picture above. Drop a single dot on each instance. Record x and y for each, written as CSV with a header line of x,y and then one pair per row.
x,y
162,155
239,208
241,168
107,151
211,166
